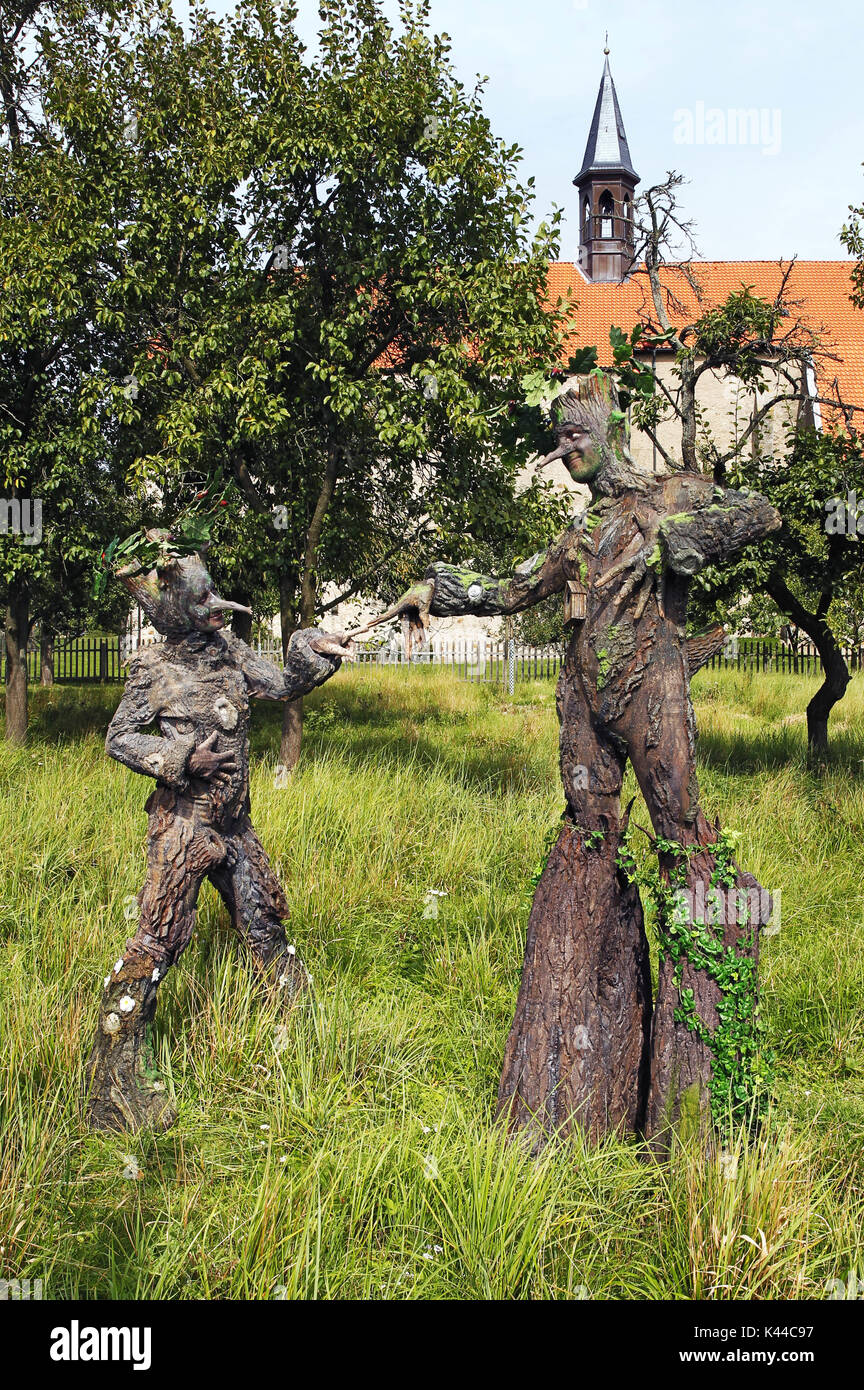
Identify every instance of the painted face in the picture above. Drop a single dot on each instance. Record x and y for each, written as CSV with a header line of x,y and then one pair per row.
x,y
180,598
577,450
206,610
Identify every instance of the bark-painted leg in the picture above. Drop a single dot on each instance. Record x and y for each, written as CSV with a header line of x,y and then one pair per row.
x,y
259,910
577,1051
122,1091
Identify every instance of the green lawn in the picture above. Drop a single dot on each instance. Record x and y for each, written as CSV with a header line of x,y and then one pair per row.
x,y
352,1152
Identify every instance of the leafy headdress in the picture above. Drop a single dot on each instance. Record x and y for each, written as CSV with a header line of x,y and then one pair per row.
x,y
164,570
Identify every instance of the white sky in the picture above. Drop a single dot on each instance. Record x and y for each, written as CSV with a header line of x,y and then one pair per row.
x,y
797,62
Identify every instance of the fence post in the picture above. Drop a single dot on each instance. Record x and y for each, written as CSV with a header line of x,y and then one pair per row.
x,y
510,656
103,659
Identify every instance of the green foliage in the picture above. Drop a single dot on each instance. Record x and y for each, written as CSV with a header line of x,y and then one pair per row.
x,y
190,532
63,196
354,349
385,1066
741,1068
819,566
739,334
632,378
543,624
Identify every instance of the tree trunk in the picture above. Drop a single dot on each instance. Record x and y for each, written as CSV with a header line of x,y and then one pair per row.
x,y
17,633
832,690
689,415
292,711
834,667
292,734
241,623
46,658
292,715
578,1047
704,1034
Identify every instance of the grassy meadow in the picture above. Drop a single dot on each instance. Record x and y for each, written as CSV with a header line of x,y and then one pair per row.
x,y
350,1151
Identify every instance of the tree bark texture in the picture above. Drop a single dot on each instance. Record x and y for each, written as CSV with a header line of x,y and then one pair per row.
x,y
578,1047
16,635
197,688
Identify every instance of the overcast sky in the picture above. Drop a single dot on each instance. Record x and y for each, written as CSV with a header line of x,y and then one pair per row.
x,y
679,72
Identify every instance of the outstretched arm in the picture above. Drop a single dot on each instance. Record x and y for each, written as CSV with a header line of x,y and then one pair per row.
x,y
450,591
457,591
313,657
714,525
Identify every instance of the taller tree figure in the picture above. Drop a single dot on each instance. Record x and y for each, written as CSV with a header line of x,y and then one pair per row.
x,y
583,1047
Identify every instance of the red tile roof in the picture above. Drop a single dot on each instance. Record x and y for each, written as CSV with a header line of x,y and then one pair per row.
x,y
822,289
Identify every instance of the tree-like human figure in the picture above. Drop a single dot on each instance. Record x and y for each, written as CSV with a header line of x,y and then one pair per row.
x,y
196,686
585,1046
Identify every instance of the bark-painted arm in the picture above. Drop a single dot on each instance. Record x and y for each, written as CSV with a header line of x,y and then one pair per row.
x,y
718,525
150,754
313,657
458,591
449,591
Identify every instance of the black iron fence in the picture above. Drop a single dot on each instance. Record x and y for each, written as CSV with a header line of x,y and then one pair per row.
x,y
82,660
104,659
752,654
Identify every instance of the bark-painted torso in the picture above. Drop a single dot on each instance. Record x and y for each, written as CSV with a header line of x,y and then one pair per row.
x,y
192,688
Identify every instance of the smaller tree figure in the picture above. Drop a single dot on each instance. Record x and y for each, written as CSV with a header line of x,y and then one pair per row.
x,y
197,687
582,1048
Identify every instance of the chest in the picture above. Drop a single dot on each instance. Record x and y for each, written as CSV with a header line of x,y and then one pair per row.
x,y
204,693
597,560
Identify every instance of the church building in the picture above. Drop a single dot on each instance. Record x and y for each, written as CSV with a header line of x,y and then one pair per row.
x,y
608,286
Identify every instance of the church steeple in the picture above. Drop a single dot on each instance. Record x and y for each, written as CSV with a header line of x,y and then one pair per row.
x,y
606,184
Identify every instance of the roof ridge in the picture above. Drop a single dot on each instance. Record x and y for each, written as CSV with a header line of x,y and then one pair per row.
x,y
849,261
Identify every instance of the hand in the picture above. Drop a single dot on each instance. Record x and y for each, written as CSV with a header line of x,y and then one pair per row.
x,y
205,761
333,644
413,609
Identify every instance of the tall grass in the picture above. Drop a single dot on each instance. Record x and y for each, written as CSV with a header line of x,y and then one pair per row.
x,y
350,1150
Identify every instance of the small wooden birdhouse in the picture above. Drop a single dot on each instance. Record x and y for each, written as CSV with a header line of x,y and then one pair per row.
x,y
575,601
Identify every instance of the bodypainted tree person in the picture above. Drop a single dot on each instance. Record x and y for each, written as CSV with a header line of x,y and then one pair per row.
x,y
582,1047
196,686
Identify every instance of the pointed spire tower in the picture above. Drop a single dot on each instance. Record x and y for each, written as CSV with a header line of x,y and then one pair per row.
x,y
606,183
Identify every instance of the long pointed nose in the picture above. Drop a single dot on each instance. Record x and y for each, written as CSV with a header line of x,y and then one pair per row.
x,y
565,447
225,605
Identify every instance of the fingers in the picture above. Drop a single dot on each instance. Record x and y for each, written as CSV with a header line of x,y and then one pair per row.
x,y
333,644
210,741
373,622
631,556
415,601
